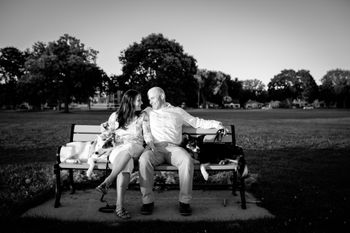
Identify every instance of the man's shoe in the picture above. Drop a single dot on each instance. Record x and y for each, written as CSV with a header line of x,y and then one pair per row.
x,y
147,209
185,209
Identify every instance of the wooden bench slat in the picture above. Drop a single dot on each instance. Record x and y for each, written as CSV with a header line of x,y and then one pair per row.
x,y
84,137
162,167
83,166
191,130
213,167
210,138
91,137
186,129
88,133
92,129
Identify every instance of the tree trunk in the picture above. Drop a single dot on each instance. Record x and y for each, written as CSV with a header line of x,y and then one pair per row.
x,y
66,106
89,104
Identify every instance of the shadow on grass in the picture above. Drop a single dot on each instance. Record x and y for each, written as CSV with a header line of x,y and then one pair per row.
x,y
307,191
28,155
304,187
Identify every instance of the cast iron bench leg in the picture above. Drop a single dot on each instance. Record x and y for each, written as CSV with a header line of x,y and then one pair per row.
x,y
234,182
71,182
242,193
58,188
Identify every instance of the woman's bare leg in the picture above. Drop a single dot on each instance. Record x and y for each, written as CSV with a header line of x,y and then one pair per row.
x,y
123,181
118,164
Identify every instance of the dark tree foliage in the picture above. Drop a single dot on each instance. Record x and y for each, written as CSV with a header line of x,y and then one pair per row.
x,y
335,88
11,70
214,86
283,86
307,87
62,71
158,61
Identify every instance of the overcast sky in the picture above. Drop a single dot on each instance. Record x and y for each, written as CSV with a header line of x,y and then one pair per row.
x,y
247,39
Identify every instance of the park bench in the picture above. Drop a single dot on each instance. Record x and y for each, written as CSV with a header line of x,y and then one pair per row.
x,y
86,133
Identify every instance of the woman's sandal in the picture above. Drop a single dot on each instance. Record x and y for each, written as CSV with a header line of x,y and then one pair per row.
x,y
122,213
102,189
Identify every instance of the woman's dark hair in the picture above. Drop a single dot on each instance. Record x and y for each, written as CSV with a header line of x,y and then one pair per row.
x,y
127,111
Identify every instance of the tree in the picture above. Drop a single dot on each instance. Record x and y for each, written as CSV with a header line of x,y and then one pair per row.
x,y
62,71
283,86
254,85
307,87
235,89
112,84
253,89
216,85
201,99
11,70
36,86
11,64
335,88
213,86
158,61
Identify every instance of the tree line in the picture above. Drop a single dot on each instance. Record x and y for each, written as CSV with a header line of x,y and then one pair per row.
x,y
65,71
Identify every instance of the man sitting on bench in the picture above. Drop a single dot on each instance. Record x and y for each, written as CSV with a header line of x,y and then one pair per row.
x,y
166,123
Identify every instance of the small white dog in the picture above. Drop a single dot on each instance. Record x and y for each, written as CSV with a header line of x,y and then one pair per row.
x,y
99,151
92,152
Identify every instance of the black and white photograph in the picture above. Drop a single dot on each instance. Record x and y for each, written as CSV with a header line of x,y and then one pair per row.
x,y
175,116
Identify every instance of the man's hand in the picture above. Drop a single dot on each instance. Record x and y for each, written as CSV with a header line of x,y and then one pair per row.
x,y
223,130
153,148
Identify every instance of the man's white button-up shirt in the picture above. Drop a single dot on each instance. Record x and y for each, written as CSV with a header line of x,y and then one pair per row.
x,y
166,123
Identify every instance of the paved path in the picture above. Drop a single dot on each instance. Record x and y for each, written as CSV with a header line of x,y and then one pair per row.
x,y
207,206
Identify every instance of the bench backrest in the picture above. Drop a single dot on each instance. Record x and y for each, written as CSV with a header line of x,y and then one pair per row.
x,y
84,133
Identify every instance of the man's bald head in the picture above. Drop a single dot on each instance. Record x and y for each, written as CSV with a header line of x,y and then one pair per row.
x,y
156,96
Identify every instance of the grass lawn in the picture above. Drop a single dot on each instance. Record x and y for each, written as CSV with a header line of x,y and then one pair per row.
x,y
300,157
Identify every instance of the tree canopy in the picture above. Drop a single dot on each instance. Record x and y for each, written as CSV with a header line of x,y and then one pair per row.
x,y
63,71
307,87
11,64
283,86
214,86
335,88
158,61
253,89
11,70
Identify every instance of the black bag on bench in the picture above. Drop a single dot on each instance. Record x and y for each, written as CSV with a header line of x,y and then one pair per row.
x,y
217,151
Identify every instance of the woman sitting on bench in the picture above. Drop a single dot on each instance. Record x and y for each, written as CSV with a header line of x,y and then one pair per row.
x,y
131,128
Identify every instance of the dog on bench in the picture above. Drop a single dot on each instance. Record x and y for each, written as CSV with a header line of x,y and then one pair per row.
x,y
193,145
100,149
92,152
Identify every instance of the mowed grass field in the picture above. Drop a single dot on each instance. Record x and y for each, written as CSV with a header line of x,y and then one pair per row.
x,y
301,159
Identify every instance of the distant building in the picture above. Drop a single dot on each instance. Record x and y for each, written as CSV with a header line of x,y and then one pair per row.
x,y
319,104
275,103
228,102
101,100
211,105
299,103
232,105
252,104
